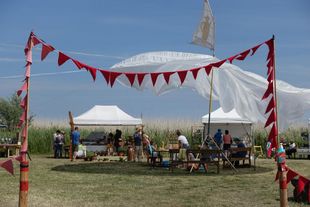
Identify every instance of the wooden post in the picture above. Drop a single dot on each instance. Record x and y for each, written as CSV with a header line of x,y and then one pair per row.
x,y
24,184
72,129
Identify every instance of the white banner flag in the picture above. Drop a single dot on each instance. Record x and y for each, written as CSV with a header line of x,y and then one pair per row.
x,y
205,34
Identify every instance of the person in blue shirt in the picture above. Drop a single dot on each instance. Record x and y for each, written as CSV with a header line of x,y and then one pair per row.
x,y
75,141
218,138
239,153
138,143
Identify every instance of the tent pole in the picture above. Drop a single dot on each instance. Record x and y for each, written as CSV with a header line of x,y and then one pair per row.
x,y
210,103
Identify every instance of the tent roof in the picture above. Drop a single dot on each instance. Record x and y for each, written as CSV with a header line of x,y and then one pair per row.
x,y
219,116
106,115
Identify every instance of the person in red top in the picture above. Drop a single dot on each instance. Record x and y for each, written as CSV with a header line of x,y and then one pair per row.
x,y
227,141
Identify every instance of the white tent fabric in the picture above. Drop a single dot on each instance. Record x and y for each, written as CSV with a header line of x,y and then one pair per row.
x,y
233,87
107,116
219,116
237,126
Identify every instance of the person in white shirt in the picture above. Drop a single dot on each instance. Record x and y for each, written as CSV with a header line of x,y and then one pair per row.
x,y
182,140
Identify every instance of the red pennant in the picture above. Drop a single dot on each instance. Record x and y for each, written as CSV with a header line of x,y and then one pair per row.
x,y
195,72
24,147
270,63
18,158
232,58
24,132
28,44
78,64
271,105
154,77
268,91
270,44
131,77
23,88
271,119
218,64
29,56
302,182
62,58
46,49
208,69
290,175
23,116
182,75
243,55
141,77
92,71
8,166
27,72
277,176
106,75
23,102
270,77
35,40
255,48
113,76
167,76
273,134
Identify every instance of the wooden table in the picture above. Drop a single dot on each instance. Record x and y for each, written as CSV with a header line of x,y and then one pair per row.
x,y
11,147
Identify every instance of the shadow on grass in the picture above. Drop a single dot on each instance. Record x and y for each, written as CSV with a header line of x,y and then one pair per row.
x,y
130,168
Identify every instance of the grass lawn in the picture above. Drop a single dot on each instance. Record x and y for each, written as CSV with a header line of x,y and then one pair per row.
x,y
63,183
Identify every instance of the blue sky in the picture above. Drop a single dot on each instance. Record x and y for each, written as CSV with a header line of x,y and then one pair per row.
x,y
108,31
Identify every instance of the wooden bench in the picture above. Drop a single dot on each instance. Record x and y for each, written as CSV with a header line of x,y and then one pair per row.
x,y
14,148
203,158
232,158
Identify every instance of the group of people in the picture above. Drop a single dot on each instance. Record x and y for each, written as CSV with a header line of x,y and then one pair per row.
x,y
58,143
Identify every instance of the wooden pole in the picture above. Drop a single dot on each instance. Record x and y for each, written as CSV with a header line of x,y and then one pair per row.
x,y
72,129
281,166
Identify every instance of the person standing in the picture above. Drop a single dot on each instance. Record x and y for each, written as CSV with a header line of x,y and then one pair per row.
x,y
227,139
218,138
137,136
61,143
57,138
75,142
117,140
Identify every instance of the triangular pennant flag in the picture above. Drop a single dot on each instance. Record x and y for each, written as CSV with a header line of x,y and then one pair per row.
x,y
243,55
78,64
23,116
131,77
154,77
46,49
29,56
28,44
92,71
272,118
270,77
106,75
208,69
270,63
167,76
23,88
277,176
113,77
23,102
301,184
290,175
195,72
62,58
232,58
218,64
254,49
18,158
141,77
270,44
35,40
273,134
8,166
27,72
271,105
268,91
24,132
182,75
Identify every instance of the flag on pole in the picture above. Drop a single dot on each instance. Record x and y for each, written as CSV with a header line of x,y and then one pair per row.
x,y
205,33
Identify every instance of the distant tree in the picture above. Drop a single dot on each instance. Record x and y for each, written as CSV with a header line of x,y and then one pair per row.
x,y
10,112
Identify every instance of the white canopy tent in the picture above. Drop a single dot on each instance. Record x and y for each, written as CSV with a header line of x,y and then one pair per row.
x,y
232,121
106,116
233,87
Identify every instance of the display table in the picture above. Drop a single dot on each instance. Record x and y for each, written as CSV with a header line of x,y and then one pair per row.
x,y
14,148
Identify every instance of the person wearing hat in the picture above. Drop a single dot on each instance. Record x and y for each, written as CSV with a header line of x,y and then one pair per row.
x,y
137,136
